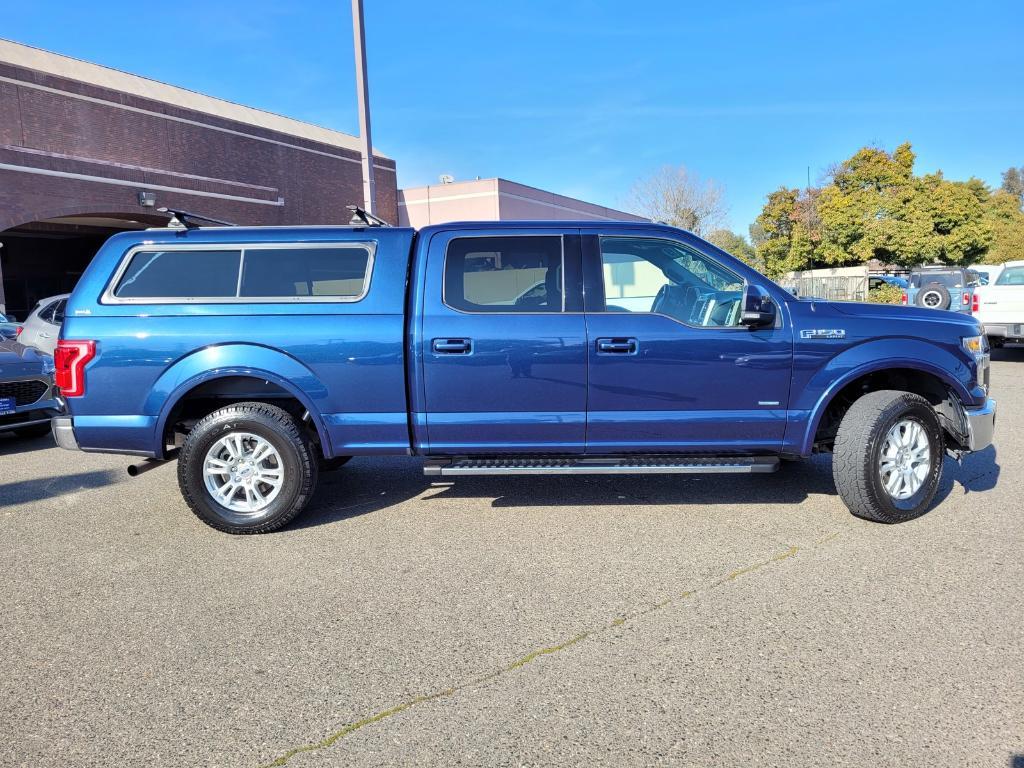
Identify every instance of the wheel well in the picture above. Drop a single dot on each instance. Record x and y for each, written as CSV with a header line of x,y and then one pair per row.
x,y
927,385
203,399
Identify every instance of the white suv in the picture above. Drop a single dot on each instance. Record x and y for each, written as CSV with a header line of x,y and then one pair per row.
x,y
1000,305
42,327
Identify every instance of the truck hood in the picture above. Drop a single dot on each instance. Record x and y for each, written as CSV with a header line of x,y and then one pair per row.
x,y
20,362
965,324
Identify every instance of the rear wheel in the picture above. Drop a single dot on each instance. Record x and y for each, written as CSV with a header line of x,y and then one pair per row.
x,y
888,456
247,468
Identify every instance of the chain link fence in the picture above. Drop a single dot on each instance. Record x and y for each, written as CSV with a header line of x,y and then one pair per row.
x,y
839,284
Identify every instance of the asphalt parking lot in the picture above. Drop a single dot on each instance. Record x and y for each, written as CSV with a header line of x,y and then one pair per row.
x,y
666,621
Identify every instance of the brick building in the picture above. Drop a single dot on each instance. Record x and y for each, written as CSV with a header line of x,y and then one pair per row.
x,y
81,143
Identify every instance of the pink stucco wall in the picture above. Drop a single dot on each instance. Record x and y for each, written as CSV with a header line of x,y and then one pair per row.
x,y
496,199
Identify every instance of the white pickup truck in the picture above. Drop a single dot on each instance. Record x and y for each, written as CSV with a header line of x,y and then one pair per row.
x,y
1000,305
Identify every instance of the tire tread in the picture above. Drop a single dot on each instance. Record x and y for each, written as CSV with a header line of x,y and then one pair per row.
x,y
279,420
852,459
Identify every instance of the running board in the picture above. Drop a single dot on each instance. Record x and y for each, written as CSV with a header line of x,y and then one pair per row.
x,y
613,465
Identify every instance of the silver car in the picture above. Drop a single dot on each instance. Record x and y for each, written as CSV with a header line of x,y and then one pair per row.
x,y
42,327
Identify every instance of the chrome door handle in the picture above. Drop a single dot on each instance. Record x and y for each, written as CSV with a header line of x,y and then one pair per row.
x,y
618,346
452,346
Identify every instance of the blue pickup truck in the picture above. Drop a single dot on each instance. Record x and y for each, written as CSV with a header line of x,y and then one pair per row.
x,y
259,357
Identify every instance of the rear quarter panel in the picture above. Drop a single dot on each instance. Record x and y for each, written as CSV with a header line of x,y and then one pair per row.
x,y
343,361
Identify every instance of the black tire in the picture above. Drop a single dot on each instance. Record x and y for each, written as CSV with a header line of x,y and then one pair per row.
x,y
933,296
335,463
859,442
34,431
297,460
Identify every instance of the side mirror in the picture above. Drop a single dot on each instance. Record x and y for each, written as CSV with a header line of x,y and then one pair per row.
x,y
758,308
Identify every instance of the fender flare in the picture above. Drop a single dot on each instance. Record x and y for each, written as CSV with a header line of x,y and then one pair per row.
x,y
226,360
873,366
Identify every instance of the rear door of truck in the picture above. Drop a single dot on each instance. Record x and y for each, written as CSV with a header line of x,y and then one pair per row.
x,y
501,342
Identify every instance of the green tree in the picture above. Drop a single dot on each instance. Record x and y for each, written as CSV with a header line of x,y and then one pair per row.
x,y
876,208
867,207
1006,221
786,242
737,245
953,220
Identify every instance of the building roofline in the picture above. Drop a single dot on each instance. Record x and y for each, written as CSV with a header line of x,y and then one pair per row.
x,y
59,65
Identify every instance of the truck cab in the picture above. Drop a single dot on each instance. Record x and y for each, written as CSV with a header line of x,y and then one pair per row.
x,y
258,357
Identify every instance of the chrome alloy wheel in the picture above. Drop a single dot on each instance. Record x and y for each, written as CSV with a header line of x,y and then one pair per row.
x,y
243,472
932,299
905,460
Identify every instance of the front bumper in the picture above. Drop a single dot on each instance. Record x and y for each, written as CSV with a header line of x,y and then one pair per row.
x,y
63,429
30,415
981,425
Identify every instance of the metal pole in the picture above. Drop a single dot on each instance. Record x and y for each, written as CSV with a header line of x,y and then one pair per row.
x,y
363,96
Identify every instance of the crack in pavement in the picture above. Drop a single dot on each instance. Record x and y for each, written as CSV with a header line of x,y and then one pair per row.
x,y
532,656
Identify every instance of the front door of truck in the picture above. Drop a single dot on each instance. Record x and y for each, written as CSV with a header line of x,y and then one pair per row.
x,y
503,343
671,368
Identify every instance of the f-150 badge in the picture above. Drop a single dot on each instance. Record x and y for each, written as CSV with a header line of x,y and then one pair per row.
x,y
823,333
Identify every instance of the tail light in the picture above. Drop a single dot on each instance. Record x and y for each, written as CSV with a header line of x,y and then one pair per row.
x,y
18,330
69,361
975,304
903,298
967,299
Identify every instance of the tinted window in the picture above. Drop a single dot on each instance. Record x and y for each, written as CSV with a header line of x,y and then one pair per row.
x,y
1011,276
948,279
667,278
291,272
504,274
180,274
46,313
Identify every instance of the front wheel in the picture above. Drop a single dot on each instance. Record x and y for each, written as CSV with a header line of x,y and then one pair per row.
x,y
888,456
247,468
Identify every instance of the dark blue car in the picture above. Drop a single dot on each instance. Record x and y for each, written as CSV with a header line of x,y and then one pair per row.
x,y
27,396
259,357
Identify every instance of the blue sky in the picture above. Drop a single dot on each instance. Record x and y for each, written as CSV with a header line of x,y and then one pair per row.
x,y
583,98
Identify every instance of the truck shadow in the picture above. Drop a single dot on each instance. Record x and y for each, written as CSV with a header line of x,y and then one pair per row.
x,y
976,472
367,485
11,444
26,491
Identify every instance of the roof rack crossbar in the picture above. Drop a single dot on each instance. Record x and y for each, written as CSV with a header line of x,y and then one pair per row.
x,y
185,219
360,216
